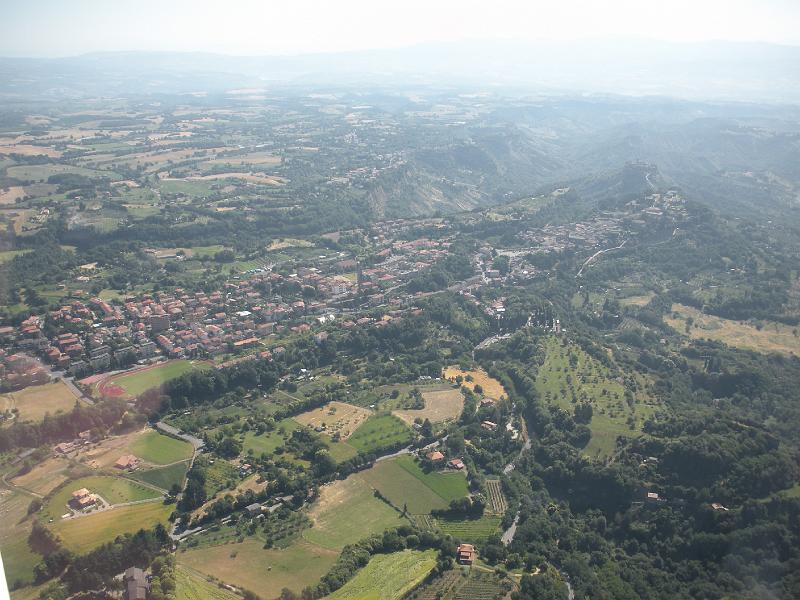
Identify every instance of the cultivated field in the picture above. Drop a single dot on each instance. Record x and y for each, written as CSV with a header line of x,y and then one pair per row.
x,y
335,417
190,585
265,572
266,443
404,483
491,387
388,576
141,380
442,405
82,534
347,511
158,449
34,402
497,500
472,531
380,432
769,337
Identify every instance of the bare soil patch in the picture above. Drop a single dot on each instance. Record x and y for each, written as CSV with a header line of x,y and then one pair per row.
x,y
335,417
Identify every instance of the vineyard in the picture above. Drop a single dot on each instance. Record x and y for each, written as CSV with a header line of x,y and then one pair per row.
x,y
472,531
497,501
463,584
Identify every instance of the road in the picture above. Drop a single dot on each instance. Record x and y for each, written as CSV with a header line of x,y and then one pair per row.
x,y
508,534
595,255
70,383
197,443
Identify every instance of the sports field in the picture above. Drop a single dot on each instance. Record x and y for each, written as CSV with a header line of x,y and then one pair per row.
x,y
388,576
142,380
34,402
380,432
266,572
159,449
114,490
492,388
347,511
766,336
82,534
404,483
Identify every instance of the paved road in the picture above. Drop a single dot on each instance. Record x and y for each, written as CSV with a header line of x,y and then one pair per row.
x,y
394,455
508,534
70,383
197,443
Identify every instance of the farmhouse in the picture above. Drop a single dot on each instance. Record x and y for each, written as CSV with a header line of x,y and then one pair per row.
x,y
254,509
83,498
456,464
489,425
465,554
127,462
136,584
434,456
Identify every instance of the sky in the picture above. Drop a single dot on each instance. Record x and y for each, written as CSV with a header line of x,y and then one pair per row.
x,y
52,28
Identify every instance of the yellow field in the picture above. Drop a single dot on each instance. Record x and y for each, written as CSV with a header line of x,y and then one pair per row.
x,y
29,150
337,417
772,337
491,387
440,406
44,477
85,533
251,177
36,401
642,300
248,565
11,194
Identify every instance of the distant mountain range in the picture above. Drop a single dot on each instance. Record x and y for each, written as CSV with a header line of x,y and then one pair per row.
x,y
713,70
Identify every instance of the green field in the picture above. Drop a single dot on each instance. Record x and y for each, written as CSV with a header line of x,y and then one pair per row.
x,y
163,477
449,486
190,585
159,449
569,376
404,484
380,432
186,187
269,441
219,476
388,576
8,255
114,490
18,557
341,451
348,511
42,172
82,534
266,572
145,379
473,531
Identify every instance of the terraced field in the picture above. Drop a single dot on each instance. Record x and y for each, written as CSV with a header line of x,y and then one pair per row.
x,y
497,500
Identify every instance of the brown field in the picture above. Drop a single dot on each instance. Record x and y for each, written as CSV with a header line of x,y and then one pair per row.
x,y
491,387
338,417
288,243
44,477
440,406
12,194
106,453
771,337
256,158
36,401
29,150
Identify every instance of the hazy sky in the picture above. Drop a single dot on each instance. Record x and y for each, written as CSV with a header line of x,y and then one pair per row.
x,y
69,27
